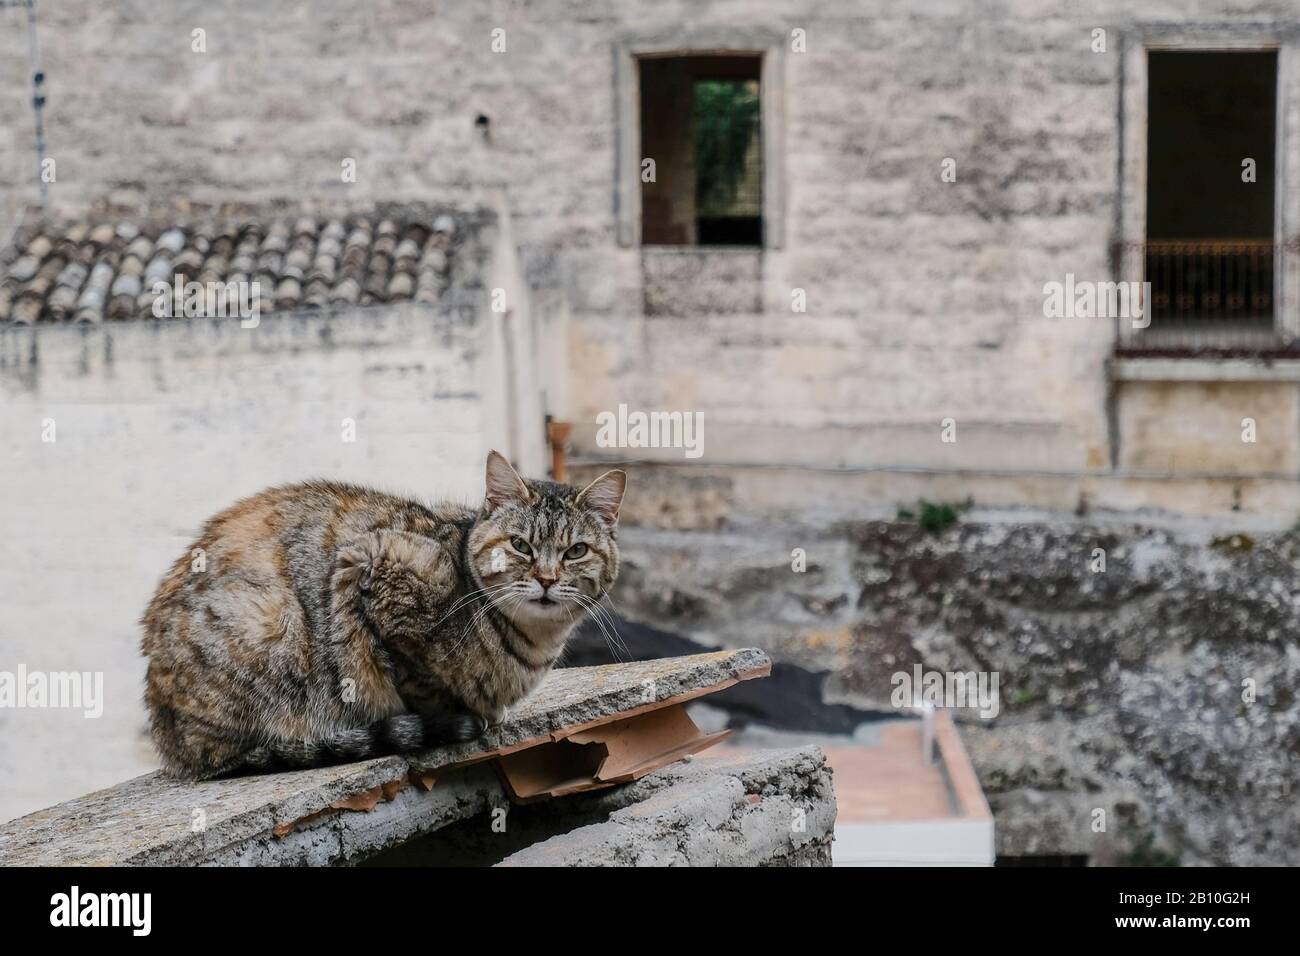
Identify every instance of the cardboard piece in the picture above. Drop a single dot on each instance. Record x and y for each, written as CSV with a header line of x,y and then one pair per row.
x,y
564,733
363,801
618,751
613,748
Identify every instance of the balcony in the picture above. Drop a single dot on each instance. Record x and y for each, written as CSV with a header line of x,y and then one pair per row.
x,y
1208,297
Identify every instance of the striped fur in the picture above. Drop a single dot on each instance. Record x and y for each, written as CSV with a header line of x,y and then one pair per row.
x,y
401,733
322,622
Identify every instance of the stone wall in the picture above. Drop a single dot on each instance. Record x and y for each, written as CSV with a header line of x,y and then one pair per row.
x,y
1151,694
924,297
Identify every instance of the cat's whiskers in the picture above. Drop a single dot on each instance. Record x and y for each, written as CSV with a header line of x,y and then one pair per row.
x,y
491,595
480,592
601,612
600,616
614,613
516,587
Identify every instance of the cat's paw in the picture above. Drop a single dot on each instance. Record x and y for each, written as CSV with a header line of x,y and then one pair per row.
x,y
469,726
454,728
394,566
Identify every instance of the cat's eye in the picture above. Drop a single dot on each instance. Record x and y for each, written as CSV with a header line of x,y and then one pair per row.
x,y
577,551
520,545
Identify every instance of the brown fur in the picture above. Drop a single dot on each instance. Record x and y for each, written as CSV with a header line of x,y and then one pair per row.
x,y
326,621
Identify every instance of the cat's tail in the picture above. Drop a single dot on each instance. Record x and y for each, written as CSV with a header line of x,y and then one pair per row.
x,y
399,734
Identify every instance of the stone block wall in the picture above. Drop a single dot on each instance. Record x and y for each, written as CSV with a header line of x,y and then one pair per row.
x,y
924,297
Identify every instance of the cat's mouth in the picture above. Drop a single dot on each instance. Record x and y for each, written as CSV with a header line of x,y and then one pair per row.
x,y
545,601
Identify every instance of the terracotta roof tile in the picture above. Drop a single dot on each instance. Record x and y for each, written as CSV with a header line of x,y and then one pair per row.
x,y
97,271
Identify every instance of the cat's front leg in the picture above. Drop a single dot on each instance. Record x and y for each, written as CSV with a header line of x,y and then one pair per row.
x,y
385,587
495,717
392,572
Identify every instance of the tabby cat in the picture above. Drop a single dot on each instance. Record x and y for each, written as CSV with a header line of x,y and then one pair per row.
x,y
321,622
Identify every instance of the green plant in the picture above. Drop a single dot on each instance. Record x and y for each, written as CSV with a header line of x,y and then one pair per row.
x,y
1146,853
1022,696
726,123
937,516
934,516
1233,542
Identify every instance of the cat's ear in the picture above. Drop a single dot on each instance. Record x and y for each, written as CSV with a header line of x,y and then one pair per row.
x,y
605,495
503,483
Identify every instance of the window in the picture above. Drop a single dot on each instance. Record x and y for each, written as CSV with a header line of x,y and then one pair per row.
x,y
706,106
701,130
1210,248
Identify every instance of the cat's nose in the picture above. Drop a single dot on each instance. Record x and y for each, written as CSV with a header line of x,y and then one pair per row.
x,y
545,580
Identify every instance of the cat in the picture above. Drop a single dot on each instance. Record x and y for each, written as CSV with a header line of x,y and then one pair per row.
x,y
323,622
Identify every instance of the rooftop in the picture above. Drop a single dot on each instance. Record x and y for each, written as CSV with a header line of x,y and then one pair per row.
x,y
92,271
347,812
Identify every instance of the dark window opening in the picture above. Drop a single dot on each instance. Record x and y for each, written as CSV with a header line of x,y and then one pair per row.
x,y
1210,247
700,125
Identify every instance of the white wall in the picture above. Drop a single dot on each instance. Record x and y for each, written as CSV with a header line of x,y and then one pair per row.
x,y
915,843
159,425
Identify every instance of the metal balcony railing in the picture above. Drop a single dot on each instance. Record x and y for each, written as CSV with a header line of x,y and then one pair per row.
x,y
1206,295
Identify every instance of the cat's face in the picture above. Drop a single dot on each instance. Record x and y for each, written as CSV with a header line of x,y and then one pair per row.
x,y
544,552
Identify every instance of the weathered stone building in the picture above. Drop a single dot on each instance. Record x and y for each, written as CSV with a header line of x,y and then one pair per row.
x,y
924,297
870,328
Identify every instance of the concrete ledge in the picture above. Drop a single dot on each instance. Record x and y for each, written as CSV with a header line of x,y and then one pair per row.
x,y
1205,369
341,838
731,807
342,813
735,492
